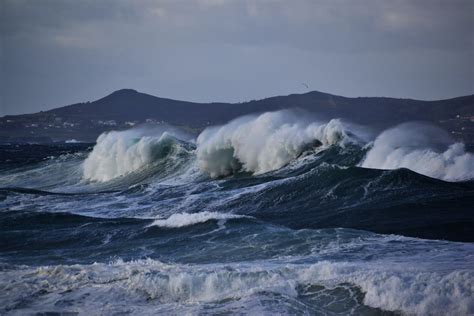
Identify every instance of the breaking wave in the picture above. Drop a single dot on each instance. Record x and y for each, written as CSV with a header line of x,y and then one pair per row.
x,y
404,289
253,147
267,142
421,148
120,153
186,219
263,143
135,225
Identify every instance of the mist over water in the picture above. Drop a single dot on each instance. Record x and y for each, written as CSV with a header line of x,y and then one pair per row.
x,y
267,142
263,143
272,213
120,153
422,148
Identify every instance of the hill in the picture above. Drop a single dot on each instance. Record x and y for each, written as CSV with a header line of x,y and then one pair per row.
x,y
125,108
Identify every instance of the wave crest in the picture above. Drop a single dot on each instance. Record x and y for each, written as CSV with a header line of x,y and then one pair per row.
x,y
263,143
421,148
120,153
405,288
269,141
187,219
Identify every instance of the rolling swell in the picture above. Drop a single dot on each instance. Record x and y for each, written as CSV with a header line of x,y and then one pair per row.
x,y
241,264
297,173
331,185
398,202
118,154
149,221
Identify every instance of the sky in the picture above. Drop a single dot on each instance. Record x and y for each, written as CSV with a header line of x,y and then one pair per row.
x,y
58,52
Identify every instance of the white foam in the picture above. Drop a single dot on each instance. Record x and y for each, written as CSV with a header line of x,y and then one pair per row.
x,y
188,219
120,153
423,149
262,143
389,286
72,141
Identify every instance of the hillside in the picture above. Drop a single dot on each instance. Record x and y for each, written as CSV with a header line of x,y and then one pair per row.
x,y
125,108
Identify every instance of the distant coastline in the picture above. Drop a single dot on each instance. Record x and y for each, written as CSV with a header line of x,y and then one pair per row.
x,y
127,108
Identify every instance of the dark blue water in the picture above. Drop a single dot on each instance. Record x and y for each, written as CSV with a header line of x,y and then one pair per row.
x,y
319,235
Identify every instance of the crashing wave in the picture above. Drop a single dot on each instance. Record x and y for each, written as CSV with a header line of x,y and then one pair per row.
x,y
421,148
269,141
263,143
120,153
406,289
187,219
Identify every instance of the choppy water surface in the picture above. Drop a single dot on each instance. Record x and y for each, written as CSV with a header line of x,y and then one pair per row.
x,y
269,214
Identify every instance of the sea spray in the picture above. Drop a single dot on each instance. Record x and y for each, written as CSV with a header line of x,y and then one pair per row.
x,y
422,148
263,143
154,241
119,153
412,288
187,219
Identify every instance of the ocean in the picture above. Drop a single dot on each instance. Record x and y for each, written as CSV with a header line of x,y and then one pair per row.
x,y
271,214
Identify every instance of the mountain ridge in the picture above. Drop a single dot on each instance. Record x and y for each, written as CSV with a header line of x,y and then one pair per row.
x,y
128,107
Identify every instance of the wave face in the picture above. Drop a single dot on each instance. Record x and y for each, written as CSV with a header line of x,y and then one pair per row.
x,y
259,144
277,213
120,153
423,149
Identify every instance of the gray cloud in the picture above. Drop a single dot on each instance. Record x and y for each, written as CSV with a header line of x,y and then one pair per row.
x,y
59,52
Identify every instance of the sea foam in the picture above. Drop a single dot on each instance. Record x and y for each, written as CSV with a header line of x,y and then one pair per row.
x,y
422,148
401,288
263,143
120,153
187,219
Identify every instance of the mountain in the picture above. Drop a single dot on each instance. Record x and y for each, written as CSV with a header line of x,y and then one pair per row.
x,y
125,108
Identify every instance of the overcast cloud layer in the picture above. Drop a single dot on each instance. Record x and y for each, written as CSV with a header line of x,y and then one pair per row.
x,y
55,53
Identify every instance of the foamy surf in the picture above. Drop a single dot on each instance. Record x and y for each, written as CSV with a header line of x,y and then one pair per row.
x,y
284,137
405,288
263,143
421,148
120,153
187,219
299,212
